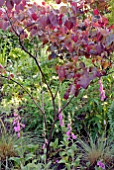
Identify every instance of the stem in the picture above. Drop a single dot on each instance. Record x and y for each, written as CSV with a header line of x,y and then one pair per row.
x,y
45,118
53,125
26,92
56,91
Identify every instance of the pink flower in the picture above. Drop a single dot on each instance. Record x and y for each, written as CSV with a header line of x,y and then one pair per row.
x,y
74,136
102,92
18,134
17,124
60,118
23,125
43,146
68,133
15,114
104,122
101,165
57,161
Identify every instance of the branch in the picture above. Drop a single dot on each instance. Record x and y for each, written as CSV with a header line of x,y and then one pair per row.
x,y
66,104
26,92
56,91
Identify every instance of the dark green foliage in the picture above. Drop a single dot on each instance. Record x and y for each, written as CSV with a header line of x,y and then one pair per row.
x,y
111,119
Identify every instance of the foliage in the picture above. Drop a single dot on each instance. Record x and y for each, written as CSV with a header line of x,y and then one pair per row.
x,y
56,56
111,118
111,14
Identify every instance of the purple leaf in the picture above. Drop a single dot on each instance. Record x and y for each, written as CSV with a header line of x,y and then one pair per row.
x,y
43,21
109,39
99,48
17,1
9,4
53,19
84,81
69,24
61,72
1,2
19,7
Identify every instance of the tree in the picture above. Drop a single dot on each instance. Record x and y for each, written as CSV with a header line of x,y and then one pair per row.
x,y
75,33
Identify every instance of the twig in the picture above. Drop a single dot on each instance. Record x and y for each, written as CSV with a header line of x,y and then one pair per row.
x,y
56,91
67,103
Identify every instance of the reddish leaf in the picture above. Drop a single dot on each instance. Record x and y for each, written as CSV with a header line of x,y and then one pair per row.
x,y
66,95
96,12
105,20
76,93
111,27
75,38
0,12
1,25
58,1
61,72
12,75
69,24
43,3
77,86
34,16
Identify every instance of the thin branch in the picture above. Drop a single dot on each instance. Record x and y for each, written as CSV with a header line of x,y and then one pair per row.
x,y
56,91
109,73
27,27
66,104
26,92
